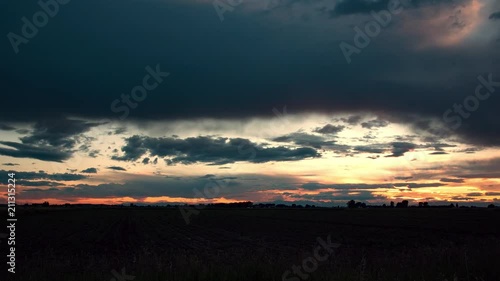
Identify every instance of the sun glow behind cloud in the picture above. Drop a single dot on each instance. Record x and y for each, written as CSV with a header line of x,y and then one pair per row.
x,y
443,25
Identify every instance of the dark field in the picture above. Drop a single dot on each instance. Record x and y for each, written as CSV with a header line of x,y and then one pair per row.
x,y
246,244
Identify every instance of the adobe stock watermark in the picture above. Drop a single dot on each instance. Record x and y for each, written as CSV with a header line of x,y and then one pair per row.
x,y
223,6
483,91
282,115
40,19
371,30
312,263
121,276
139,93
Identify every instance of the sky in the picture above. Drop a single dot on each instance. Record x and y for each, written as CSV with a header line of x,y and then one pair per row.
x,y
282,101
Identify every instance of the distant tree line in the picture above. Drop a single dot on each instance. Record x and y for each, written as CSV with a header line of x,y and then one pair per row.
x,y
247,205
405,204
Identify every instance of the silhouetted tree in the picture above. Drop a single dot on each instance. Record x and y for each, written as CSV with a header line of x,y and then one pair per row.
x,y
351,204
392,204
426,204
491,206
403,204
421,204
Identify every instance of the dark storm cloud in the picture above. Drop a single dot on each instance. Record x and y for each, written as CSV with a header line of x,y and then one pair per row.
x,y
207,149
315,186
403,178
406,138
375,123
329,129
66,177
361,186
38,183
479,129
93,153
438,146
461,198
400,148
375,148
495,16
477,169
490,175
51,140
120,130
211,64
306,139
474,194
397,149
349,7
116,168
5,127
452,180
58,132
352,120
43,153
89,171
419,185
23,131
87,149
40,175
152,186
133,149
469,150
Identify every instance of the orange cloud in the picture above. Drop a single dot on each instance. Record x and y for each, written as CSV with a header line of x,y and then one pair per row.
x,y
444,26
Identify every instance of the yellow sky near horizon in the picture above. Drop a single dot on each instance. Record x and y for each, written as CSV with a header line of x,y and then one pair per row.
x,y
350,167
